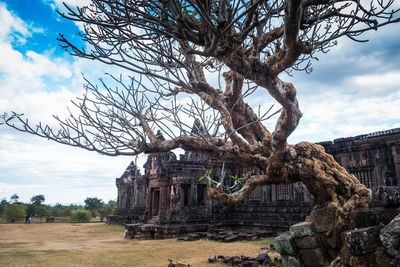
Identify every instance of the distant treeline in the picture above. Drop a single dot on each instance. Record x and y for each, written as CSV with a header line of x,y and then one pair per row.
x,y
16,211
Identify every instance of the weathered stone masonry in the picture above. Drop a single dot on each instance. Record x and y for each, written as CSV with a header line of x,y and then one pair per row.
x,y
170,199
373,158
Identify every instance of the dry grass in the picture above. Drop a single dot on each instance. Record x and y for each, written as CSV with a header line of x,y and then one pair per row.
x,y
103,245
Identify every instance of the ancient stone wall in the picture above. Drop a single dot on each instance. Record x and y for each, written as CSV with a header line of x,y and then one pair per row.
x,y
170,193
373,158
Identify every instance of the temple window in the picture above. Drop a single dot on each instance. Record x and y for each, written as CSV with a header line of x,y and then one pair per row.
x,y
186,188
366,177
284,192
201,194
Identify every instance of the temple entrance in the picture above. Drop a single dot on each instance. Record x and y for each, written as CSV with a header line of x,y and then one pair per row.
x,y
155,199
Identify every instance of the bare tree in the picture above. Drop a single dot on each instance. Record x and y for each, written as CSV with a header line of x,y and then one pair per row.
x,y
173,47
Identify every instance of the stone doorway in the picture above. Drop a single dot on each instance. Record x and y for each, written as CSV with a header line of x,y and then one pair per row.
x,y
155,199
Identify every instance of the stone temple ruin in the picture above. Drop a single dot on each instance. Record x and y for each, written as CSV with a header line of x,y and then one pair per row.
x,y
168,199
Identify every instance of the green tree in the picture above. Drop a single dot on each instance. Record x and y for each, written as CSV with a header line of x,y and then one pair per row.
x,y
14,212
58,210
81,215
40,211
3,204
38,199
112,204
93,204
14,198
104,211
30,209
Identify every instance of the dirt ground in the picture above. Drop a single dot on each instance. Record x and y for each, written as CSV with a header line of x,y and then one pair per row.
x,y
98,244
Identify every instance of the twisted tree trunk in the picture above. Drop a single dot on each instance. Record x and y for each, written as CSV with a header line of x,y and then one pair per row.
x,y
338,194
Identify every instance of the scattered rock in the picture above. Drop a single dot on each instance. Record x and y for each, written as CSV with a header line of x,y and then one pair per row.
x,y
362,241
373,217
250,264
390,237
328,240
127,234
193,236
385,196
226,259
236,260
211,236
290,261
285,245
263,258
308,242
212,259
231,238
313,257
302,229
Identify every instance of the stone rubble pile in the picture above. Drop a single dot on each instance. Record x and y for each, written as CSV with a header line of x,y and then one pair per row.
x,y
261,260
222,235
374,240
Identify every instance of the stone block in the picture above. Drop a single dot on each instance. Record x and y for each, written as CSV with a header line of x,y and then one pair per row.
x,y
390,237
211,236
308,242
290,261
328,241
202,234
212,259
385,196
128,234
236,261
320,217
284,244
250,264
302,229
246,258
226,259
254,237
231,238
193,236
263,258
313,257
362,241
373,217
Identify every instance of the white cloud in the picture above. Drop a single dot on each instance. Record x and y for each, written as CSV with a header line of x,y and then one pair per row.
x,y
59,5
11,24
72,3
31,165
331,114
376,82
40,85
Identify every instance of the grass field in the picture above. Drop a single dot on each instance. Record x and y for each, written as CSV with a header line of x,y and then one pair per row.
x,y
103,245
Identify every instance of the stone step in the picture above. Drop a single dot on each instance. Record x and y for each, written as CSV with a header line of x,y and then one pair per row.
x,y
153,220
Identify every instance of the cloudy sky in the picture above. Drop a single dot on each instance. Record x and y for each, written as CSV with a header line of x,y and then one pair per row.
x,y
353,90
